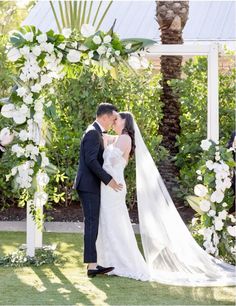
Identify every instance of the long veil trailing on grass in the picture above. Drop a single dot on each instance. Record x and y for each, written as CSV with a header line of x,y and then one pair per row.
x,y
172,254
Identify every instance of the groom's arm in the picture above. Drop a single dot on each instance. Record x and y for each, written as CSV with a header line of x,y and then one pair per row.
x,y
91,148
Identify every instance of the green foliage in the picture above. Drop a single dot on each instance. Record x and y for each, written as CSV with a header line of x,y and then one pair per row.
x,y
193,96
45,255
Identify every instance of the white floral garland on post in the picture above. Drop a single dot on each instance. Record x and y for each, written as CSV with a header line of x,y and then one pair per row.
x,y
213,200
40,59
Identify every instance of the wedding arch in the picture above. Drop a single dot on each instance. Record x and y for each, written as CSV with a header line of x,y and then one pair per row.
x,y
41,58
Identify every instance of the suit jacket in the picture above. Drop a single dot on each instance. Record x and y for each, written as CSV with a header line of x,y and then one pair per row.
x,y
90,172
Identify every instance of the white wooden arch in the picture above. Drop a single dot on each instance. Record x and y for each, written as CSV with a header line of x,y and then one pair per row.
x,y
34,236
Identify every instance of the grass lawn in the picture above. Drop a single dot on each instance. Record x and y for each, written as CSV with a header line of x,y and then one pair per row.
x,y
67,284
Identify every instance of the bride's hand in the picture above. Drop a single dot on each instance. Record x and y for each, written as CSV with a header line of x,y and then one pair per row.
x,y
115,186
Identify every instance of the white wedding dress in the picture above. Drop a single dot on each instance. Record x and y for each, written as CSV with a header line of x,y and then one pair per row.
x,y
172,256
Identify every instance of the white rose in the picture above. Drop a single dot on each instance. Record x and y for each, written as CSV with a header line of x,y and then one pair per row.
x,y
205,144
107,39
29,36
211,213
28,99
200,190
232,230
101,50
8,110
4,133
97,40
36,88
62,46
23,135
25,51
74,56
19,118
42,179
42,38
134,62
205,205
87,30
210,164
217,196
40,198
36,50
223,214
13,55
21,91
218,224
66,32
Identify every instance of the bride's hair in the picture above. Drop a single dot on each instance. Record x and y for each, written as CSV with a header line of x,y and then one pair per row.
x,y
129,129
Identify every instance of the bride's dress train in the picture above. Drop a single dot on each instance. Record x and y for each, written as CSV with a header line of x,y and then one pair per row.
x,y
172,256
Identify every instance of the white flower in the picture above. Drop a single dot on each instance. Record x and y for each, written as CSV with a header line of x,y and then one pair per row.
x,y
134,62
128,46
194,221
29,36
21,91
66,32
73,56
20,114
83,48
232,230
101,50
36,50
18,150
42,179
97,40
45,160
23,135
112,60
205,205
199,178
232,218
38,106
4,133
107,39
218,224
28,99
217,196
25,51
200,190
13,171
45,79
199,172
36,88
87,30
224,204
90,54
31,150
74,45
144,62
40,198
51,91
223,214
211,213
210,164
13,55
42,38
205,144
117,52
62,46
47,47
8,110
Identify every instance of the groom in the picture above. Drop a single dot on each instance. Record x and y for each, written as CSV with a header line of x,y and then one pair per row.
x,y
88,181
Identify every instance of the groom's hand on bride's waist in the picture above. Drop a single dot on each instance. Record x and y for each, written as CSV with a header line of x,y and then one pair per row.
x,y
114,185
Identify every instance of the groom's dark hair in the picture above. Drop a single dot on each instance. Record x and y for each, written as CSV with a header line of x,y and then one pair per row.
x,y
105,108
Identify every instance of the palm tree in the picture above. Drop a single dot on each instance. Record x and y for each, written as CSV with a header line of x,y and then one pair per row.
x,y
171,17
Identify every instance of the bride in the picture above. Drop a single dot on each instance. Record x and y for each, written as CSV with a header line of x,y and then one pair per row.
x,y
172,256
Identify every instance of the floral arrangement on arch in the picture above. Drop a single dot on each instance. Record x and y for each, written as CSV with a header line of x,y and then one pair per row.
x,y
40,59
214,227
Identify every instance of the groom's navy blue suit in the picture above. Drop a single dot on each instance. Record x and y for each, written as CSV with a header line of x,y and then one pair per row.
x,y
88,181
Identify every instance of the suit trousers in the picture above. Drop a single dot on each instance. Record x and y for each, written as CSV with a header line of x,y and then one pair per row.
x,y
91,209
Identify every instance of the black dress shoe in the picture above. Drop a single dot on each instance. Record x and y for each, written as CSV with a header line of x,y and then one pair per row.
x,y
99,270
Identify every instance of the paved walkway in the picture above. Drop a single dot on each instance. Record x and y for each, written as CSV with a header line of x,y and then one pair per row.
x,y
54,227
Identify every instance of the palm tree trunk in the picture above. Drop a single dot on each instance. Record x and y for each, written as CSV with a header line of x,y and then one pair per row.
x,y
171,17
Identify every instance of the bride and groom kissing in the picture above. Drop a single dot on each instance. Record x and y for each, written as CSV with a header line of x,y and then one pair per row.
x,y
172,256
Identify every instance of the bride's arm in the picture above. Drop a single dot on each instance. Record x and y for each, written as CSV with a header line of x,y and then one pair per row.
x,y
124,144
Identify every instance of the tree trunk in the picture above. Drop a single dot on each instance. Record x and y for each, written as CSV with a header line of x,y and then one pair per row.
x,y
171,17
